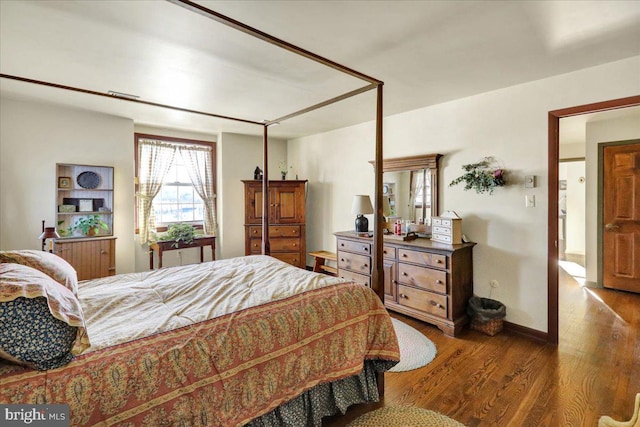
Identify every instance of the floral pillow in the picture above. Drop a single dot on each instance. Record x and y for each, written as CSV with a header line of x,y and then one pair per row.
x,y
41,322
50,264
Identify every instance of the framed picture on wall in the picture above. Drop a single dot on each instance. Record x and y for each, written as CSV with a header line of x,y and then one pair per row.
x,y
64,182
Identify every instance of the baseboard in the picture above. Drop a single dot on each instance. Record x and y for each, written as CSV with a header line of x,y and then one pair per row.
x,y
523,331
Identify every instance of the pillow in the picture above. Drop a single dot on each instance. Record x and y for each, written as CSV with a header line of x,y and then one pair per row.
x,y
41,322
50,264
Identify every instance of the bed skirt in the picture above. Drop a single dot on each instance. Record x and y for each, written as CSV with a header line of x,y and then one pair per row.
x,y
323,400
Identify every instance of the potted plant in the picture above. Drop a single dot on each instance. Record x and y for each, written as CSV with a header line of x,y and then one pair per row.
x,y
482,176
283,169
180,233
89,225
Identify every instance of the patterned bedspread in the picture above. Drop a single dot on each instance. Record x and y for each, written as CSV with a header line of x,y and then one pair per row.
x,y
238,361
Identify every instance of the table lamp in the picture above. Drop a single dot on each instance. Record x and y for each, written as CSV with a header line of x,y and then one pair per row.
x,y
361,206
48,233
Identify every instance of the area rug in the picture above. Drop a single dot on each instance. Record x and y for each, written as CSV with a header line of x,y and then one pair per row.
x,y
404,416
416,350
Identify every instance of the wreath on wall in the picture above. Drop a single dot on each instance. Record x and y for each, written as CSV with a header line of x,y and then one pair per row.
x,y
482,176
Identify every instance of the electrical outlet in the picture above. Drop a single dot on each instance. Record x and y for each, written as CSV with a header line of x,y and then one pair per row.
x,y
494,283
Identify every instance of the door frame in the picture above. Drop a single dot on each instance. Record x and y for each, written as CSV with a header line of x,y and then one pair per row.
x,y
553,188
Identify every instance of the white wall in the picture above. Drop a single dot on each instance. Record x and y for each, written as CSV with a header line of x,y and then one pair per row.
x,y
238,157
576,196
33,138
621,129
510,124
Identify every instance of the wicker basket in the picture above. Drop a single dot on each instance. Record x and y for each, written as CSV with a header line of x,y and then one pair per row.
x,y
490,328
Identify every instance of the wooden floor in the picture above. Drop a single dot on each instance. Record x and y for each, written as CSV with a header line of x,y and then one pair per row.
x,y
507,380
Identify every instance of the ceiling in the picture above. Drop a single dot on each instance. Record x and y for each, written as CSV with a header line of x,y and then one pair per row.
x,y
426,52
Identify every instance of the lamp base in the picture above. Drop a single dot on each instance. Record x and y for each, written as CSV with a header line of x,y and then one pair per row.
x,y
362,224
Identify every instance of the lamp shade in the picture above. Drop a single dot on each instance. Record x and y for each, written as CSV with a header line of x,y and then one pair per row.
x,y
49,233
361,205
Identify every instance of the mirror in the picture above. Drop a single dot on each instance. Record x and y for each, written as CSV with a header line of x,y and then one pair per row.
x,y
410,185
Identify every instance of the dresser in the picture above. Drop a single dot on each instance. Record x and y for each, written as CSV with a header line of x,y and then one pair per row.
x,y
90,257
423,279
287,220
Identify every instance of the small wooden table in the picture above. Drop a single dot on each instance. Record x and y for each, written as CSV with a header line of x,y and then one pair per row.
x,y
319,266
167,245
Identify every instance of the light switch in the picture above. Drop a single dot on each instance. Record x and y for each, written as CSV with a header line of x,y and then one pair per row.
x,y
530,181
530,201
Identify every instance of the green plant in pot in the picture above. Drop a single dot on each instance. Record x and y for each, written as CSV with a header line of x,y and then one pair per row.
x,y
90,225
180,233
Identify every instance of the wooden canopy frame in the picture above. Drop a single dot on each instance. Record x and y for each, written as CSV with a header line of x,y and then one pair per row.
x,y
371,83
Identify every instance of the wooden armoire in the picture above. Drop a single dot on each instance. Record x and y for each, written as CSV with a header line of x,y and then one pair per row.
x,y
287,218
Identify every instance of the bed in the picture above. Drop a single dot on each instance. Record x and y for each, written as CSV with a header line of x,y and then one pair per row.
x,y
242,341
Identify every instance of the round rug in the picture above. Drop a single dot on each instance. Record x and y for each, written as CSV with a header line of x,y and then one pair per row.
x,y
416,350
404,416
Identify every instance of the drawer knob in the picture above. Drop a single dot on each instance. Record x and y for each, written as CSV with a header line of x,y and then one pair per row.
x,y
255,231
404,273
395,282
342,259
435,304
102,251
364,248
404,296
404,255
342,244
365,265
438,261
439,282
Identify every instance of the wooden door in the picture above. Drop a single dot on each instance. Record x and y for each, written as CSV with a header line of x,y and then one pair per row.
x,y
288,201
390,282
621,217
253,204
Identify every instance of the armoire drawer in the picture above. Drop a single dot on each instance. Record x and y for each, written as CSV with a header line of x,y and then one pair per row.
x,y
422,300
284,244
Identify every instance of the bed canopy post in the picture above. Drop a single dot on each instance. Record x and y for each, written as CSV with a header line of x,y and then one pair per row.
x,y
377,276
266,249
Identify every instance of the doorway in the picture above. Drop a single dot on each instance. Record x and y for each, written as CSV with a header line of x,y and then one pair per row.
x,y
553,203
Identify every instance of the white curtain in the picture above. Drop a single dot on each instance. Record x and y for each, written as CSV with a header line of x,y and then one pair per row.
x,y
198,162
156,158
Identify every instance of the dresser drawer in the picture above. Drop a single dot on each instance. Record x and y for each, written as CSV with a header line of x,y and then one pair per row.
x,y
444,238
357,263
289,258
360,279
389,252
357,247
255,231
445,222
422,277
441,230
284,245
425,301
423,258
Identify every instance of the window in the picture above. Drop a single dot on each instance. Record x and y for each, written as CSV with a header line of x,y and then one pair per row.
x,y
174,183
177,200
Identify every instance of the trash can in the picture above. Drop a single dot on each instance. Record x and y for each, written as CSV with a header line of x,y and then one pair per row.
x,y
487,315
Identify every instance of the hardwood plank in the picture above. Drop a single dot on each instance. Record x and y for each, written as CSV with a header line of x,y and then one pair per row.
x,y
509,380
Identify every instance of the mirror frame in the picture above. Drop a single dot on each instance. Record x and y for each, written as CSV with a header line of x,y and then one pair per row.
x,y
414,163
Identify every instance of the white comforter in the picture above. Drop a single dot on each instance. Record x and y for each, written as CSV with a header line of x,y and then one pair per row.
x,y
129,306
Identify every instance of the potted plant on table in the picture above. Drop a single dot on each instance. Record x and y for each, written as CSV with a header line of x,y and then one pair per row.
x,y
89,225
180,233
